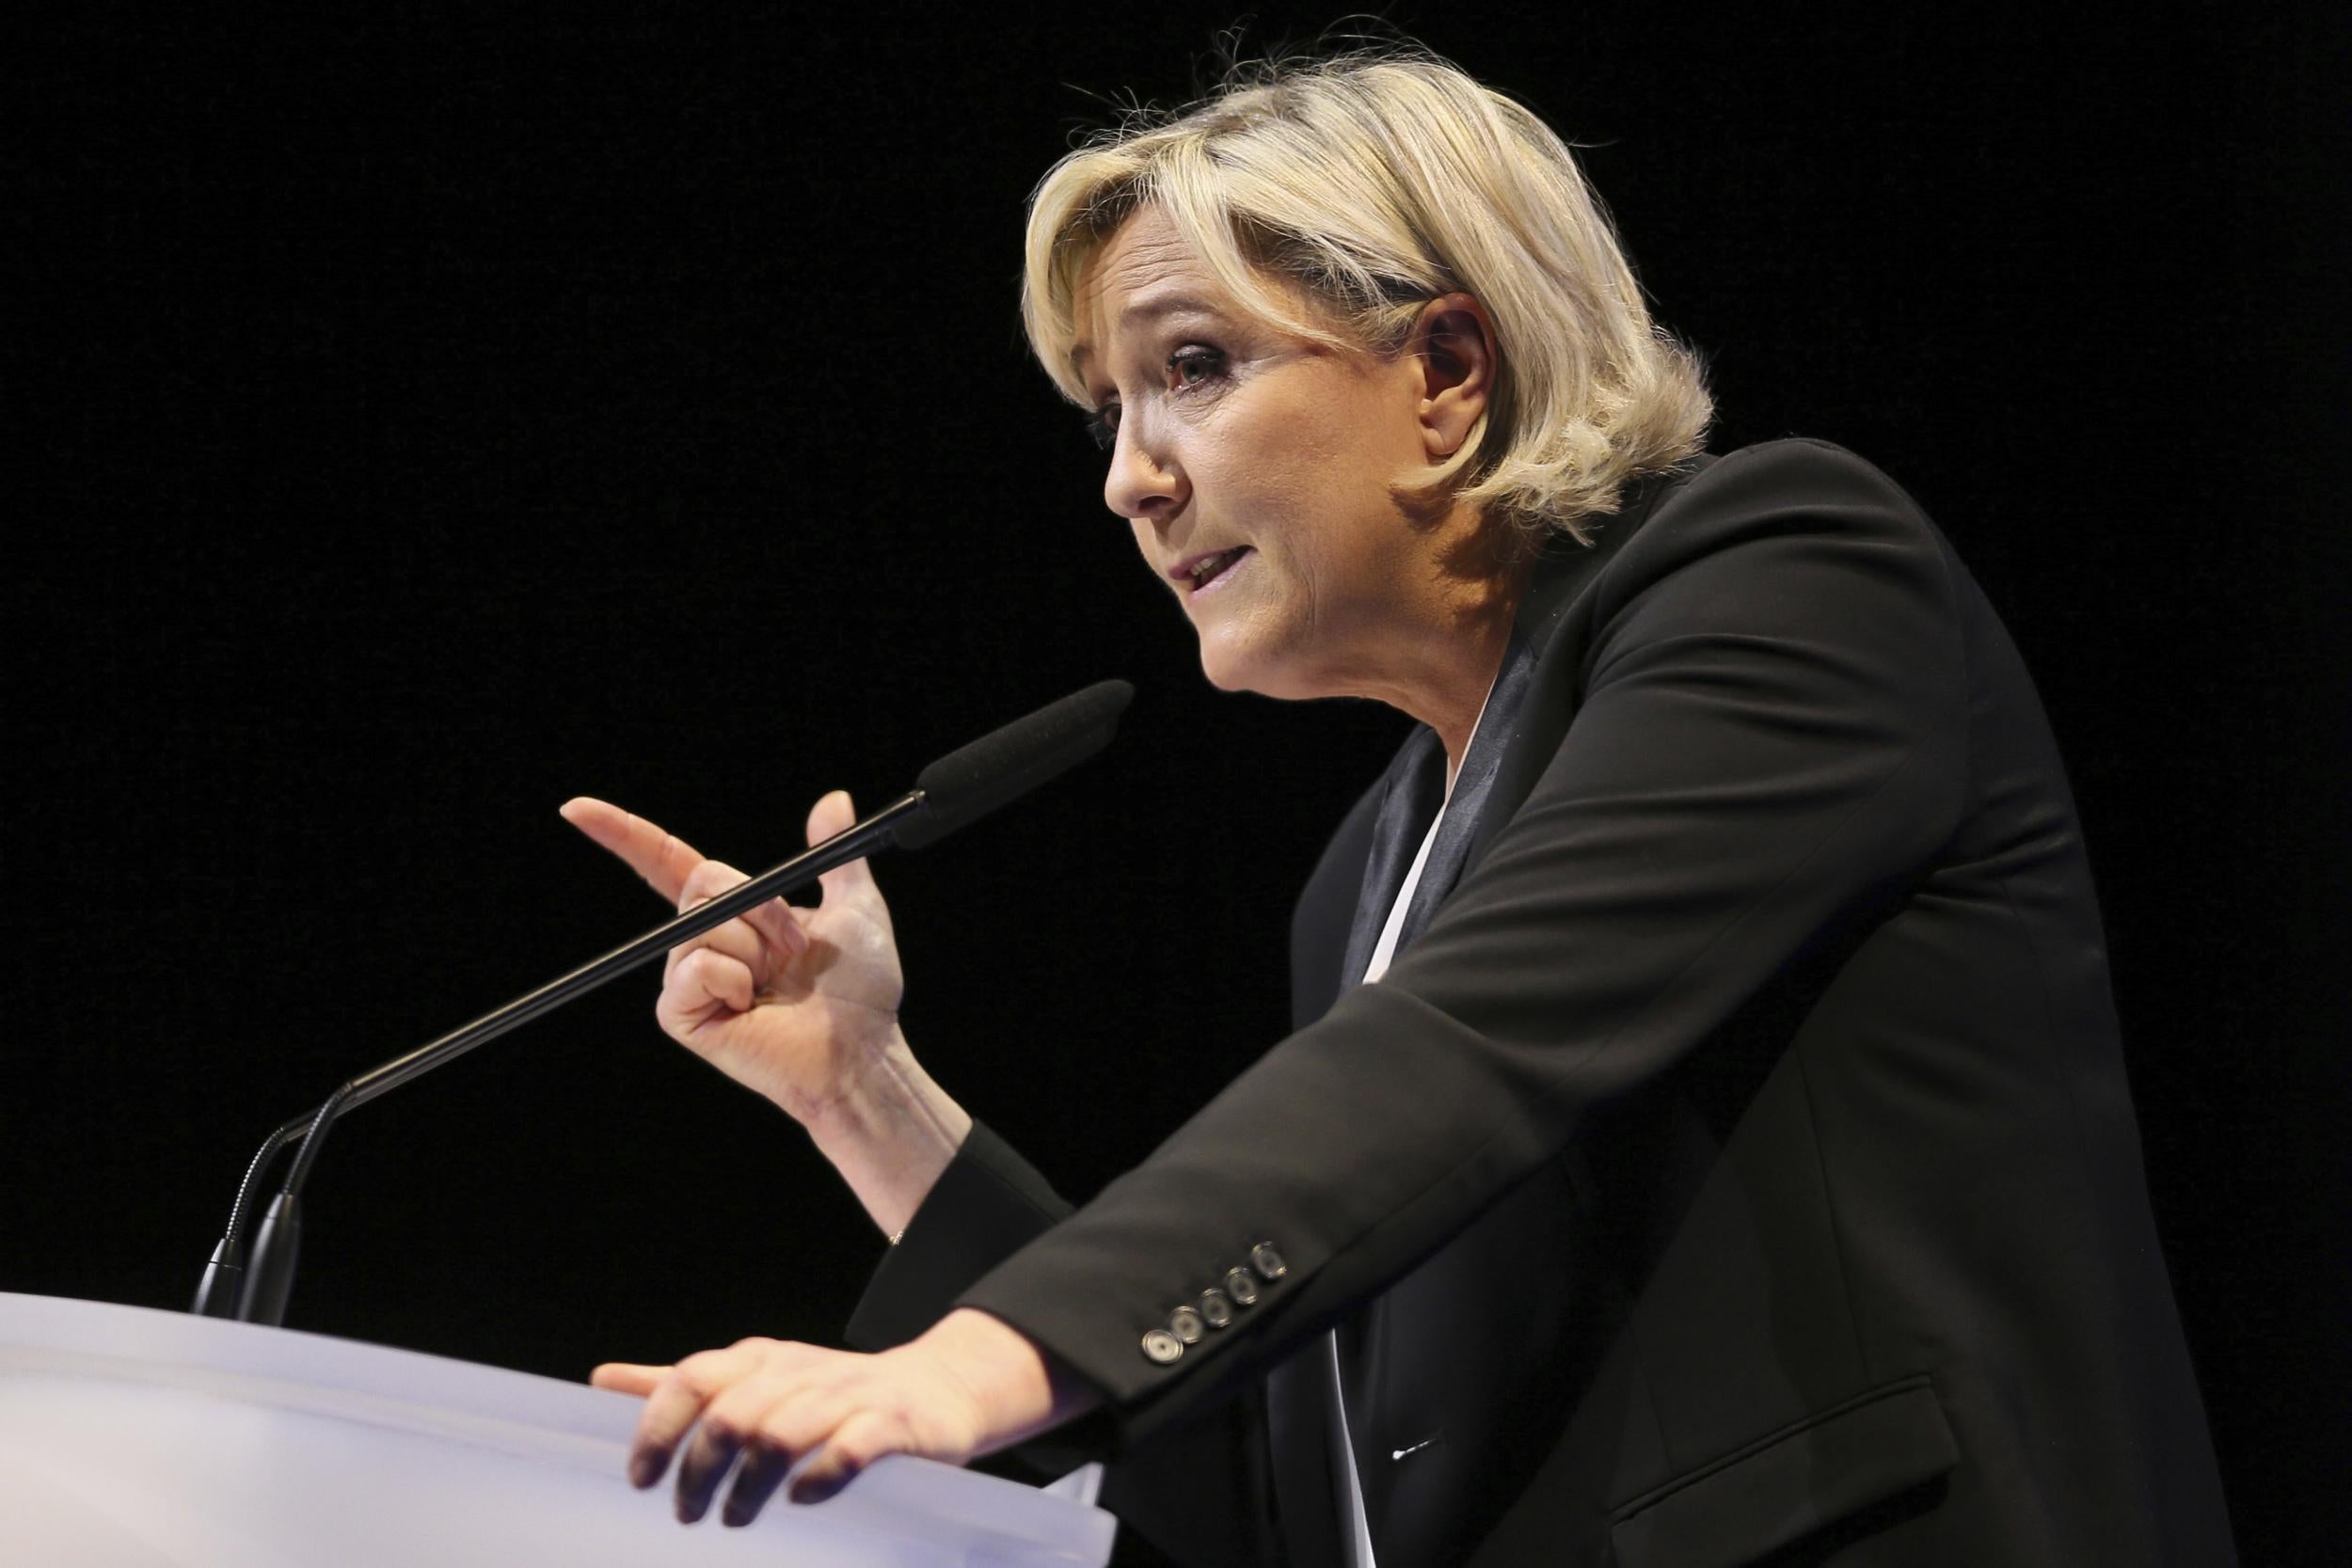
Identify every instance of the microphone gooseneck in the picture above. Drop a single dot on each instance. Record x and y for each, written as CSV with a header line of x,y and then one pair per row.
x,y
957,789
220,1293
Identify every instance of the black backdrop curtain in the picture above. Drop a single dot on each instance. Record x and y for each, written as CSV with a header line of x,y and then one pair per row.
x,y
422,419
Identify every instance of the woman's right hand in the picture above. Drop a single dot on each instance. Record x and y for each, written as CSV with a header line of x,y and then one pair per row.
x,y
801,1005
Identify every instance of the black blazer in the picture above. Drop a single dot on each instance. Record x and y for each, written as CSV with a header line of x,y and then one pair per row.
x,y
1740,1160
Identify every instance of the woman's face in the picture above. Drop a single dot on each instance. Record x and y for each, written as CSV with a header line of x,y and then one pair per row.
x,y
1272,460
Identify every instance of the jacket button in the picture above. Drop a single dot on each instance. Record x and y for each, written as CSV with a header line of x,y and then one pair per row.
x,y
1162,1346
1214,1309
1267,1262
1186,1325
1241,1287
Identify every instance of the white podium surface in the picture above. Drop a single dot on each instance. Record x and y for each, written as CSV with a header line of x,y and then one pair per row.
x,y
135,1438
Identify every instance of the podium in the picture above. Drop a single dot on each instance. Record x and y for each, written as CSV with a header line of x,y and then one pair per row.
x,y
135,1438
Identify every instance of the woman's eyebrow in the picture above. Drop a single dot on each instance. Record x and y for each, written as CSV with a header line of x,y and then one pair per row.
x,y
1149,309
1164,305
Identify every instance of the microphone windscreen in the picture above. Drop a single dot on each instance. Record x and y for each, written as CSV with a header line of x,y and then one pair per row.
x,y
969,783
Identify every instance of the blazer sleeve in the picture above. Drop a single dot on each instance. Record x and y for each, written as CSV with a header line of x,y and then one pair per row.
x,y
1769,733
985,1206
1199,1491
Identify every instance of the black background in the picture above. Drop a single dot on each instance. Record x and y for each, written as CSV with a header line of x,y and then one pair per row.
x,y
421,418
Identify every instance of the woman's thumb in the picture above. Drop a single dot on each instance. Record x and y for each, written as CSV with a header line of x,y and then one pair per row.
x,y
832,814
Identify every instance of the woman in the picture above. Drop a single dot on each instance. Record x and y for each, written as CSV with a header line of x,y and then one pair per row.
x,y
1704,1132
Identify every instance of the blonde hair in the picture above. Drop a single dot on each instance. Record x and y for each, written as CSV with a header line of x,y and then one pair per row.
x,y
1334,196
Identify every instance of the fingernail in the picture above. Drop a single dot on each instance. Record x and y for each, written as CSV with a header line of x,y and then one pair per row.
x,y
643,1472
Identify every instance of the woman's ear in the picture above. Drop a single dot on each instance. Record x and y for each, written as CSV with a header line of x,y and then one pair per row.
x,y
1454,344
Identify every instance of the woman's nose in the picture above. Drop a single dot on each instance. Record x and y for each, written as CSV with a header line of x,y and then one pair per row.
x,y
1142,483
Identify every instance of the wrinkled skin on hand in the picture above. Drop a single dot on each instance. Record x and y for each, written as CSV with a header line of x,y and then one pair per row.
x,y
760,1408
792,1003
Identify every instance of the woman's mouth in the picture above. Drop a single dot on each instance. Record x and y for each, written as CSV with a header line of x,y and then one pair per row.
x,y
1209,573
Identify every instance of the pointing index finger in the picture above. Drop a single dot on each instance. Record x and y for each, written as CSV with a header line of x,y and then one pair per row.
x,y
627,1377
662,859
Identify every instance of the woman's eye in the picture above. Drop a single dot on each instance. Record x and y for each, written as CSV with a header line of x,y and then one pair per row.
x,y
1194,363
1189,366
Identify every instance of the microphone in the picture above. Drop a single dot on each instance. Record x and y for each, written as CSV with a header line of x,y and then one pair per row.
x,y
953,792
1000,767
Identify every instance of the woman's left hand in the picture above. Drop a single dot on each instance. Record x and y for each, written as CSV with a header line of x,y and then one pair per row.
x,y
969,1386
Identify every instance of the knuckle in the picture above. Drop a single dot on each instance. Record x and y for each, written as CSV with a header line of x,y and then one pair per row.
x,y
741,1412
859,1445
730,940
707,972
784,1431
696,888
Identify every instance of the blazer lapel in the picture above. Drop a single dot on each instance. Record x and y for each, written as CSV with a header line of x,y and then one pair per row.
x,y
1498,729
1409,798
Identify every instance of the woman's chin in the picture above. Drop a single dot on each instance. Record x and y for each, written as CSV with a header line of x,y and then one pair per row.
x,y
1224,673
1228,665
1232,664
